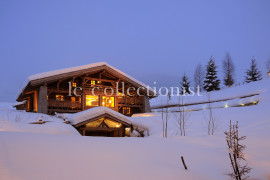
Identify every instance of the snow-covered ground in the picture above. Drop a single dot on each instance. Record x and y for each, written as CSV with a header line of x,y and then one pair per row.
x,y
21,121
30,151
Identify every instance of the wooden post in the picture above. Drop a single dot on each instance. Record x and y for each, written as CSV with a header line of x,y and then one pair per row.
x,y
146,104
82,100
42,100
35,101
182,158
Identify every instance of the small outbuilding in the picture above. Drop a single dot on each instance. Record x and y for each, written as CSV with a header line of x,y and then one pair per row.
x,y
101,121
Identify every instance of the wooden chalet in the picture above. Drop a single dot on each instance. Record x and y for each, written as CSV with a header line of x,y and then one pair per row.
x,y
53,91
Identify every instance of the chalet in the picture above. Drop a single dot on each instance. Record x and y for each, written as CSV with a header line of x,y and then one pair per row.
x,y
80,88
84,90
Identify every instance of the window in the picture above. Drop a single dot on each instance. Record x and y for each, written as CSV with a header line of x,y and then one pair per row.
x,y
126,110
108,101
120,95
103,121
73,99
59,97
93,82
74,84
91,100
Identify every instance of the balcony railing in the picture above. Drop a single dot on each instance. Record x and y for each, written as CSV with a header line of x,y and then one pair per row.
x,y
57,104
129,100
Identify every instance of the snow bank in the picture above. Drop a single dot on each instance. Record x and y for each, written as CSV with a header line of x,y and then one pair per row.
x,y
21,121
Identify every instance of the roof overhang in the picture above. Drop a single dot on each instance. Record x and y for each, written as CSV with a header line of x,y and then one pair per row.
x,y
96,113
52,76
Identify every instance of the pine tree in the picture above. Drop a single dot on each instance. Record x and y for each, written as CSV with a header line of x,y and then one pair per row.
x,y
228,69
185,84
253,74
211,82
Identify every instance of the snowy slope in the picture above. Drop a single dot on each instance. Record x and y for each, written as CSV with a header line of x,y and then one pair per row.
x,y
222,95
28,156
21,121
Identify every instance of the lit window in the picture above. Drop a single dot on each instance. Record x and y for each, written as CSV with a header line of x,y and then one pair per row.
x,y
126,110
73,99
91,100
103,122
93,82
127,131
98,82
74,84
107,101
120,94
59,97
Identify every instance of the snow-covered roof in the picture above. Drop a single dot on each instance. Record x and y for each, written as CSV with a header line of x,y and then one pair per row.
x,y
19,103
78,68
62,71
95,112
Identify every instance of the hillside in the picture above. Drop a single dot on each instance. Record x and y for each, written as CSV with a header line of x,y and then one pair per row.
x,y
55,150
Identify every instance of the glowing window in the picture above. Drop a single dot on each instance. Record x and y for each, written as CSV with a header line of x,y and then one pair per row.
x,y
74,84
98,82
104,122
59,97
73,99
126,110
93,82
91,100
120,94
107,101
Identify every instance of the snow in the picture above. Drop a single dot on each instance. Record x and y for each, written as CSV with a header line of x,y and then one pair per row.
x,y
78,68
223,95
21,121
19,103
28,153
6,106
94,112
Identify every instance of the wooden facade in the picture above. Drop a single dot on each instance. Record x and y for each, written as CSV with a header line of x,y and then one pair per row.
x,y
95,86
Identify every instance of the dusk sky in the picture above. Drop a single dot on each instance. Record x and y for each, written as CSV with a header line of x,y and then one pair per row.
x,y
149,40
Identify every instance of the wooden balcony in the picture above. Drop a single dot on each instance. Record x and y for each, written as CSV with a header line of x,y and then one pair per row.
x,y
130,101
69,105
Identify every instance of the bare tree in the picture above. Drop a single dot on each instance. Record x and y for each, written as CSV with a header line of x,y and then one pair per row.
x,y
198,77
236,154
167,114
228,70
163,120
268,65
212,121
182,116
